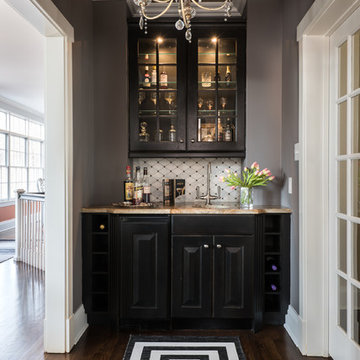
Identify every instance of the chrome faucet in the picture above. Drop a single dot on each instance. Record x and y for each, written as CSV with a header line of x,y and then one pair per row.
x,y
208,197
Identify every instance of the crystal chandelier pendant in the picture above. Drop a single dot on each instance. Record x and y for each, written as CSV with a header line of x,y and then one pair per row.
x,y
188,35
141,23
179,25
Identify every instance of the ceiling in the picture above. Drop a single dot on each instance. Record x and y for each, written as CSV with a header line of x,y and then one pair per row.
x,y
156,8
22,60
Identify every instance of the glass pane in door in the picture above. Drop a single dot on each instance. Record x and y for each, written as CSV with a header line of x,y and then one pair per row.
x,y
356,251
356,124
356,61
343,69
355,188
342,303
342,241
356,314
342,144
342,194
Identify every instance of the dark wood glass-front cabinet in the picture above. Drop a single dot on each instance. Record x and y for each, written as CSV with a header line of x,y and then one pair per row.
x,y
187,98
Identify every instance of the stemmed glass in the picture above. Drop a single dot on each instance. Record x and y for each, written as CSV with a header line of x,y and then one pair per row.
x,y
223,102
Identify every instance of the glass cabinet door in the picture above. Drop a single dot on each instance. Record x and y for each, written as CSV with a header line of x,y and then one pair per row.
x,y
217,117
156,123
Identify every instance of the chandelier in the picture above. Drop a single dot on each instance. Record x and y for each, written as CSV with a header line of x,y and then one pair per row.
x,y
186,9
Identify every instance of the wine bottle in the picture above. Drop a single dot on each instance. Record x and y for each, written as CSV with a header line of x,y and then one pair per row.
x,y
146,186
138,188
146,82
128,186
228,76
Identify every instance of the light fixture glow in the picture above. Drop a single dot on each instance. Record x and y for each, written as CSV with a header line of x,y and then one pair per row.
x,y
214,40
160,40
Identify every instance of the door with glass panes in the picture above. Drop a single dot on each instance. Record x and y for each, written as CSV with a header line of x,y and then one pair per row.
x,y
157,91
344,195
216,106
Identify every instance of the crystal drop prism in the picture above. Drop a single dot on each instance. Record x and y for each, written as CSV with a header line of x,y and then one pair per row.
x,y
188,35
192,13
141,23
179,25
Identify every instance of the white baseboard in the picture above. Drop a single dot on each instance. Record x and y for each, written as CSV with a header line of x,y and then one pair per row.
x,y
7,225
77,324
294,327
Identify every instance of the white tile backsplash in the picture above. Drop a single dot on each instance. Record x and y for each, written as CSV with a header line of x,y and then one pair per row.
x,y
194,173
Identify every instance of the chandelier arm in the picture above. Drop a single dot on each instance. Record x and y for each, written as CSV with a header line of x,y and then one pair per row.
x,y
209,9
183,13
161,1
156,16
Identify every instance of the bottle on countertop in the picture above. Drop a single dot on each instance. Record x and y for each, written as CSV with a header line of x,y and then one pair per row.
x,y
146,82
146,187
138,188
128,186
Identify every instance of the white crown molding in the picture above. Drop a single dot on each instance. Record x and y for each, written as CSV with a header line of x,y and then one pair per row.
x,y
19,109
156,8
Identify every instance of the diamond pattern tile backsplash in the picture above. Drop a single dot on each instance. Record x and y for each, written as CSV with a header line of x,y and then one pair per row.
x,y
193,171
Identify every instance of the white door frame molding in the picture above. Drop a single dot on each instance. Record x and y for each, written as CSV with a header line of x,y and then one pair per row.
x,y
310,328
59,329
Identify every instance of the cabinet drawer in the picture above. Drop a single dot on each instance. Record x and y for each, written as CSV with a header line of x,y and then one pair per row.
x,y
213,224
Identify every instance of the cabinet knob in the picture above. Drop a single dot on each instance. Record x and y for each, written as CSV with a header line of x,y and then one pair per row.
x,y
181,141
192,140
218,246
206,246
102,227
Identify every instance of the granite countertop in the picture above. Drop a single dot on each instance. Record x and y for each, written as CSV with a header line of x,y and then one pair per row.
x,y
189,208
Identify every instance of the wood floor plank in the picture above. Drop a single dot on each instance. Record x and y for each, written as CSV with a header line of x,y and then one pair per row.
x,y
21,327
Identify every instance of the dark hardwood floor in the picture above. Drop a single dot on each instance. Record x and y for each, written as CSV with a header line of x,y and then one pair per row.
x,y
21,327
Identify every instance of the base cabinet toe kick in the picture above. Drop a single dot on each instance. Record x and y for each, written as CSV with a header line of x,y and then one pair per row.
x,y
201,271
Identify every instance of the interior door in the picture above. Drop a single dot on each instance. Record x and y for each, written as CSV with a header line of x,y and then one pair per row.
x,y
344,195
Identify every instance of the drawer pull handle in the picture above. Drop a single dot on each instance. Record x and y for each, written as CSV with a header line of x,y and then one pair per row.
x,y
218,246
206,246
102,227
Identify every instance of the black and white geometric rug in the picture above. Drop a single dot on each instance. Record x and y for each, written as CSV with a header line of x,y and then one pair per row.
x,y
183,348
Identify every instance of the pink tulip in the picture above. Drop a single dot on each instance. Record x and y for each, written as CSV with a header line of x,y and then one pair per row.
x,y
227,170
272,178
261,173
222,179
269,173
256,172
233,188
253,164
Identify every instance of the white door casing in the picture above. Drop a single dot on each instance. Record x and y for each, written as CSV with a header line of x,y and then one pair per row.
x,y
62,328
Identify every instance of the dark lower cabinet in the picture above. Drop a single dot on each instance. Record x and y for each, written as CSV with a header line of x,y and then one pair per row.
x,y
144,268
186,269
233,276
192,276
212,276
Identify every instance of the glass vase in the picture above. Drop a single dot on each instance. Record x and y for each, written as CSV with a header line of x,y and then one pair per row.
x,y
246,197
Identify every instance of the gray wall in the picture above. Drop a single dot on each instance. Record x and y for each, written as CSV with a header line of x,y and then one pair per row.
x,y
79,14
293,12
111,99
264,92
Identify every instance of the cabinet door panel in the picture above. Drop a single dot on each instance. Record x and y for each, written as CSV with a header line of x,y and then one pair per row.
x,y
192,276
145,269
233,272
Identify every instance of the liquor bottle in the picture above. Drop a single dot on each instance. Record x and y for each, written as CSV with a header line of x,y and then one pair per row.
x,y
220,131
217,77
228,76
153,77
172,133
146,186
128,186
163,80
146,82
138,188
228,135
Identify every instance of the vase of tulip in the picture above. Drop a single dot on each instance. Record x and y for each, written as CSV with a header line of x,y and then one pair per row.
x,y
246,181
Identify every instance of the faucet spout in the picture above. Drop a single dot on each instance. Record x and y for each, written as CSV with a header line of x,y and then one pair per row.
x,y
208,197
